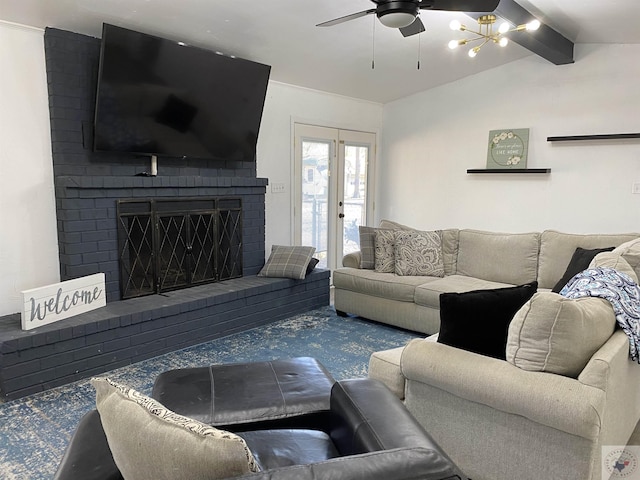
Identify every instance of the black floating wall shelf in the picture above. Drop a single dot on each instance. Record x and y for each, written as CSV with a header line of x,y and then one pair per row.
x,y
509,170
609,136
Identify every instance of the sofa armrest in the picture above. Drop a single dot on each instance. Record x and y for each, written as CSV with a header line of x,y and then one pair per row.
x,y
553,400
612,371
396,464
352,259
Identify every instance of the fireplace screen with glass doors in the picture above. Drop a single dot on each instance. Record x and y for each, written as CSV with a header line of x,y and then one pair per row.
x,y
168,244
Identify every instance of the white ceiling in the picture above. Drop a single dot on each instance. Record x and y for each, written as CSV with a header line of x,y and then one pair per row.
x,y
282,33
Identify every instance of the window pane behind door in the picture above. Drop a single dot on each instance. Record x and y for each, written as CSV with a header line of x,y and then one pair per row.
x,y
355,200
315,196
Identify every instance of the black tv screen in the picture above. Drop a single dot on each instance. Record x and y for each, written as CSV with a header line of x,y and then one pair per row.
x,y
161,97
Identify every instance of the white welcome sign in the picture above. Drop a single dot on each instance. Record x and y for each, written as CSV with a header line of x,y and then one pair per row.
x,y
45,305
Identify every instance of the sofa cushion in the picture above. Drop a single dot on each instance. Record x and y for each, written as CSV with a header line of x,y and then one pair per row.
x,y
287,262
283,447
384,285
554,334
391,225
418,253
478,321
630,251
499,257
615,261
428,293
556,250
579,261
148,440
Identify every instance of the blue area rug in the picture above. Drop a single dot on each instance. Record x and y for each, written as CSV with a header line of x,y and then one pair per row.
x,y
35,430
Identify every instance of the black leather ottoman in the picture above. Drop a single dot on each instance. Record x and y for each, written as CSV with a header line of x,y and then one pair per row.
x,y
296,390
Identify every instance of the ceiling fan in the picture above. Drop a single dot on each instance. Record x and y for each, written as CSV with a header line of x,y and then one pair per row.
x,y
403,14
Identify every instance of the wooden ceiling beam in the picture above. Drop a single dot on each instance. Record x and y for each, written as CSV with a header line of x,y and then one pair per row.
x,y
545,42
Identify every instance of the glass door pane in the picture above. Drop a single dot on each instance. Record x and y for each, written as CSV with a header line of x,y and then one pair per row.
x,y
315,196
356,158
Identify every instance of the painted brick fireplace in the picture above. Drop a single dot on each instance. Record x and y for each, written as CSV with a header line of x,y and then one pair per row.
x,y
88,186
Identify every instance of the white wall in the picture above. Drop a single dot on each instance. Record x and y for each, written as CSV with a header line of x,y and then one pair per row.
x,y
432,138
286,104
28,238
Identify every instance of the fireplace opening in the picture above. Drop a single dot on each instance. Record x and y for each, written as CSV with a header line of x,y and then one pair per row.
x,y
168,244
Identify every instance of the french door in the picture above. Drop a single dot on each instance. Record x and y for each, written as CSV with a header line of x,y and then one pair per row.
x,y
332,189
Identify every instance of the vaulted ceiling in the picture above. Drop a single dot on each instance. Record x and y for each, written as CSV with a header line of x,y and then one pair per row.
x,y
337,59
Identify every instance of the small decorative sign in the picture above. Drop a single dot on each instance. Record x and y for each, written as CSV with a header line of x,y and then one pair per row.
x,y
45,305
508,148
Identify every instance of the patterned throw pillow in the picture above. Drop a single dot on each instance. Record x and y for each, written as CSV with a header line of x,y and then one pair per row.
x,y
384,254
287,262
147,440
418,253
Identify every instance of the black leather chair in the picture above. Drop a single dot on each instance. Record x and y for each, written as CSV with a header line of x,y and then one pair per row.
x,y
367,434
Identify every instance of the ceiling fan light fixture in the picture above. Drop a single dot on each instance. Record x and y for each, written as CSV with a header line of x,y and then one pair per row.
x,y
486,33
396,19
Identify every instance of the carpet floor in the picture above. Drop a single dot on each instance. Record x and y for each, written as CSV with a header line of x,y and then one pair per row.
x,y
35,430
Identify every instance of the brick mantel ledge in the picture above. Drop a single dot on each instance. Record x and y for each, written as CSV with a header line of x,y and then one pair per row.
x,y
169,181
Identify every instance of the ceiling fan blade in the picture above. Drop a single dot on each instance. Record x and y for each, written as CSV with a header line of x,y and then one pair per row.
x,y
460,5
346,18
416,27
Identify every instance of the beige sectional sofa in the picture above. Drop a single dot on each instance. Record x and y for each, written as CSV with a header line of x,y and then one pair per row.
x,y
473,260
568,392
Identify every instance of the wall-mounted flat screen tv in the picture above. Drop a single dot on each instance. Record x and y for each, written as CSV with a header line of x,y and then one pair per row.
x,y
161,97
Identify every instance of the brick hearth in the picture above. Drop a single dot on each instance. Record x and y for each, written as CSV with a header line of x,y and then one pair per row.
x,y
132,330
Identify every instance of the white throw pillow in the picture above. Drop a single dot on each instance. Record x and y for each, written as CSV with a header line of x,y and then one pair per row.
x,y
630,251
150,442
614,260
554,334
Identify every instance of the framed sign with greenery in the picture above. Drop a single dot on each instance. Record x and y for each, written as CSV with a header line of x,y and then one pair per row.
x,y
508,148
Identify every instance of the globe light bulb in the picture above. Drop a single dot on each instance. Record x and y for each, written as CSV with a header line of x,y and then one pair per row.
x,y
455,25
504,41
453,44
473,52
533,25
504,27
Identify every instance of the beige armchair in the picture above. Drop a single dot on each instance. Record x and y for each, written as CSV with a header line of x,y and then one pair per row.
x,y
499,422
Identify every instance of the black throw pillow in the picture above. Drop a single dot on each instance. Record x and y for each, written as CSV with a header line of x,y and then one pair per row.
x,y
312,264
579,261
478,321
